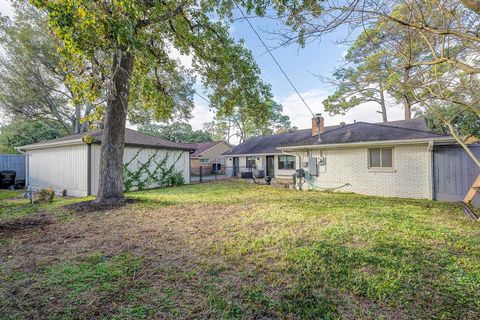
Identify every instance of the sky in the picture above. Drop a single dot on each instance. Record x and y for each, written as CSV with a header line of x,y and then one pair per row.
x,y
302,65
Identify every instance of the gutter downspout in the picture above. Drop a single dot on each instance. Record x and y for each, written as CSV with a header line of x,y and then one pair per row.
x,y
431,165
89,169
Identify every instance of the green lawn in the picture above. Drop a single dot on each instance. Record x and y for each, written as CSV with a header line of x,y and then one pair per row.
x,y
237,250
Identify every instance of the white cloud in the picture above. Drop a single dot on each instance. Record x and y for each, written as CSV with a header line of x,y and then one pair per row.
x,y
185,60
301,117
201,114
299,114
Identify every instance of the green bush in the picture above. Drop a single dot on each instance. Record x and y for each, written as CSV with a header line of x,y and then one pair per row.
x,y
46,195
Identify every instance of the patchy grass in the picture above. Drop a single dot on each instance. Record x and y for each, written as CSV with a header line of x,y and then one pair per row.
x,y
236,250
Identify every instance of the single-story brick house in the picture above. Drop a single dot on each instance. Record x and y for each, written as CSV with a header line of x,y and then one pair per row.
x,y
386,159
208,155
72,165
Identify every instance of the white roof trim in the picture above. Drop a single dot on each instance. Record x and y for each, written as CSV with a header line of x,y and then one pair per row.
x,y
369,143
51,144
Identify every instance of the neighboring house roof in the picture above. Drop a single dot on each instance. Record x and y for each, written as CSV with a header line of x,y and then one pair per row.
x,y
366,132
408,129
132,138
201,147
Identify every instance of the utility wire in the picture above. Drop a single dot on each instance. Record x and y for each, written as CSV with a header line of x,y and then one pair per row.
x,y
198,94
274,59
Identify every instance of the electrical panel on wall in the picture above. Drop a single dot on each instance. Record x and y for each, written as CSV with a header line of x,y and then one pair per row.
x,y
312,166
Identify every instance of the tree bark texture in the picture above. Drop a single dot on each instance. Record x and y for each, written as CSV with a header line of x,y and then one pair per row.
x,y
382,103
110,186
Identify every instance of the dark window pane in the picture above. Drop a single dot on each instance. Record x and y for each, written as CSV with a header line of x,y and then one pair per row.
x,y
281,162
374,158
250,162
387,158
286,162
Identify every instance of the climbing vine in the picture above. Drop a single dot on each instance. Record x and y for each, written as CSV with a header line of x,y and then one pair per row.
x,y
154,172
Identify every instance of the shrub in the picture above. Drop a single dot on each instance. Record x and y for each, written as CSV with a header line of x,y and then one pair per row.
x,y
46,195
171,179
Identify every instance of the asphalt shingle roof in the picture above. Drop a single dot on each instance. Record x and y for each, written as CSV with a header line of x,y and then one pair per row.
x,y
355,132
132,138
202,147
366,132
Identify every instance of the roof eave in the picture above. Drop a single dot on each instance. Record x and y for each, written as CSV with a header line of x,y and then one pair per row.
x,y
80,141
50,144
156,146
251,154
367,143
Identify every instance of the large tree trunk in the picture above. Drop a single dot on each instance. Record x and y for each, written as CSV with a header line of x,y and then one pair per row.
x,y
382,103
110,186
407,108
78,116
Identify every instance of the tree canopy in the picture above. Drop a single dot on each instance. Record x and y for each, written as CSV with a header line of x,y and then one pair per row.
x,y
243,126
23,132
176,132
124,48
32,82
432,49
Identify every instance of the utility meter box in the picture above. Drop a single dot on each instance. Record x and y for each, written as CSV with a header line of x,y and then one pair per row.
x,y
312,166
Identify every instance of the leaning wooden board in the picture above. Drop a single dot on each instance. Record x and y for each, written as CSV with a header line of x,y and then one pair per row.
x,y
473,190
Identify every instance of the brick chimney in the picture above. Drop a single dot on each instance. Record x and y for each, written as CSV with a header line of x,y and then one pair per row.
x,y
318,124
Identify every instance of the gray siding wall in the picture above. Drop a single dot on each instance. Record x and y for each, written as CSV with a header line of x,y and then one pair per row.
x,y
13,162
454,172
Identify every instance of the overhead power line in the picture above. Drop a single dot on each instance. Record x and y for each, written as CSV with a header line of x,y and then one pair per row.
x,y
201,96
273,57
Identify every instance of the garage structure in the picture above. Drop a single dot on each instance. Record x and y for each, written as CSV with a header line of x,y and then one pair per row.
x,y
72,165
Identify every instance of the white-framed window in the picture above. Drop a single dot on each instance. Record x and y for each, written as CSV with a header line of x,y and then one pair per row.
x,y
204,160
380,158
251,162
286,162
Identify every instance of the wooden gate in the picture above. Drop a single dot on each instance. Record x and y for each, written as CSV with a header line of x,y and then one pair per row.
x,y
453,172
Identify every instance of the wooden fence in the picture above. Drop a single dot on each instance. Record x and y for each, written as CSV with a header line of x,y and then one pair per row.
x,y
453,172
13,162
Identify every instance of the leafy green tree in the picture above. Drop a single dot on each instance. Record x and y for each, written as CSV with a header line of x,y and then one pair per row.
x,y
176,132
433,47
32,83
466,123
243,126
362,80
124,47
22,132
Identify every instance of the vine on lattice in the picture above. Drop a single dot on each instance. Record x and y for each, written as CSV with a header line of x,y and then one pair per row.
x,y
144,175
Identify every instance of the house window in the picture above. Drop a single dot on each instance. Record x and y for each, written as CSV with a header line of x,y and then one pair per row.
x,y
286,162
204,160
380,158
251,162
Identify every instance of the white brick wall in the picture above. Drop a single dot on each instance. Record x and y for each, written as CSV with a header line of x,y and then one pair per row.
x,y
410,177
